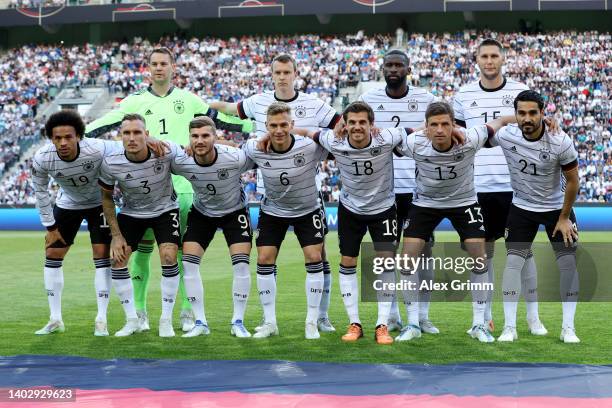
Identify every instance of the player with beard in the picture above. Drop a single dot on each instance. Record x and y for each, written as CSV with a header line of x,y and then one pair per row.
x,y
475,104
398,105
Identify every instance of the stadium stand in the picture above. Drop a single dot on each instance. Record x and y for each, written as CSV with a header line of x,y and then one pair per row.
x,y
572,69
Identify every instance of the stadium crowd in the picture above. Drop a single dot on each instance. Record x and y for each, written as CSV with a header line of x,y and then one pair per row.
x,y
233,69
29,75
572,69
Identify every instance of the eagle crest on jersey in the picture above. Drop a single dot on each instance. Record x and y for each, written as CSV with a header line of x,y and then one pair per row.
x,y
507,100
222,174
375,151
88,166
544,155
158,168
300,112
413,105
179,107
299,159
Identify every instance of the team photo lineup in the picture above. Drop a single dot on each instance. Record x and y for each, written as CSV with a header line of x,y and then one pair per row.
x,y
489,158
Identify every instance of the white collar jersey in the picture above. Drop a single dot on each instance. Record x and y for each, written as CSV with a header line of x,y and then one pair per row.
x,y
475,106
78,178
218,188
146,186
366,173
445,179
536,166
289,176
407,111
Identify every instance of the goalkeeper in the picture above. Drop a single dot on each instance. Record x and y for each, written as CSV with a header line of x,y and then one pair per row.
x,y
167,111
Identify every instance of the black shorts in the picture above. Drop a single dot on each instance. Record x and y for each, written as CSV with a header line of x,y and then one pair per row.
x,y
495,209
352,227
236,227
467,221
323,214
69,221
523,226
166,228
308,228
403,202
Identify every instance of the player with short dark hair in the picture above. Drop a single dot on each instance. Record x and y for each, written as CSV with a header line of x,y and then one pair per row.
x,y
149,201
399,105
291,199
74,164
168,111
544,173
214,172
367,203
475,104
445,189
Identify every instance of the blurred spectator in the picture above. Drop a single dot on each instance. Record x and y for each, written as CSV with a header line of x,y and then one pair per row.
x,y
573,70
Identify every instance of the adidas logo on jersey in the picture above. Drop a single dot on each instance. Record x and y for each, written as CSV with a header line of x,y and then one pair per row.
x,y
128,176
513,148
193,177
245,234
175,233
148,112
318,235
473,104
380,107
267,164
59,174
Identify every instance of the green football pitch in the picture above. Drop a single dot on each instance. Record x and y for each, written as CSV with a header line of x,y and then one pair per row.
x,y
24,309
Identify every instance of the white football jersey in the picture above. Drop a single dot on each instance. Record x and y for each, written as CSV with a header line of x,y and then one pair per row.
x,y
445,179
308,112
407,111
366,173
146,186
217,186
289,176
78,179
536,166
476,105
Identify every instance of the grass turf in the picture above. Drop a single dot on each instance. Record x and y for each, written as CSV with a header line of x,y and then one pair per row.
x,y
24,309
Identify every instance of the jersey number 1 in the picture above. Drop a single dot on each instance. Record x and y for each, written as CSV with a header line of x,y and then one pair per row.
x,y
162,123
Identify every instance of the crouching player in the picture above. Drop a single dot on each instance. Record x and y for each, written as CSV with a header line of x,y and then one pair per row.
x,y
537,158
149,202
74,163
214,172
445,189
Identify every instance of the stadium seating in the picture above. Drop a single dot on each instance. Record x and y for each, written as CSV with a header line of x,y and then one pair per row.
x,y
572,69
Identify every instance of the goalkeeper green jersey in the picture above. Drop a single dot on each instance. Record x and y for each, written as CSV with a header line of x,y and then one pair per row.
x,y
167,118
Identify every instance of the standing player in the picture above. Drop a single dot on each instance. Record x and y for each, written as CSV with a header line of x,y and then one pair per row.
x,y
475,104
445,189
291,199
310,113
168,111
214,172
536,158
367,203
74,164
149,202
398,105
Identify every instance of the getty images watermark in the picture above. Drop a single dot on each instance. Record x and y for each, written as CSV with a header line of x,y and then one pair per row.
x,y
407,265
452,269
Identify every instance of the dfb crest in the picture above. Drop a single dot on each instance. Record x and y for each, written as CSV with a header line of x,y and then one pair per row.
x,y
299,160
222,174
